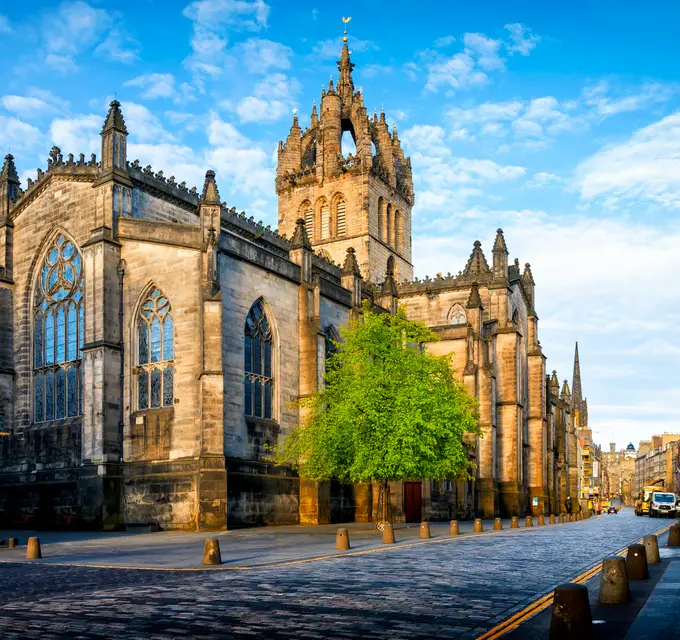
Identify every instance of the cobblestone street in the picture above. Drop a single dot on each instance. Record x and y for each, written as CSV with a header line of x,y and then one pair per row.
x,y
453,588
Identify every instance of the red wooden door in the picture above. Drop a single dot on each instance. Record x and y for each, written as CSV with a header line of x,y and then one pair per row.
x,y
413,504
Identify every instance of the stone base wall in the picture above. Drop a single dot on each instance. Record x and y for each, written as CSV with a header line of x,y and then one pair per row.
x,y
260,494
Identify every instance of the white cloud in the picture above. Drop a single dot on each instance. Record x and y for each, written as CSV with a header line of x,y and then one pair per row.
x,y
119,47
261,56
373,70
154,85
142,125
77,135
545,179
17,134
444,41
212,22
598,97
73,27
24,105
274,98
521,39
484,50
644,167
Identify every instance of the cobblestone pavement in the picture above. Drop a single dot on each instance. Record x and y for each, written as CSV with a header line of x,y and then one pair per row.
x,y
455,588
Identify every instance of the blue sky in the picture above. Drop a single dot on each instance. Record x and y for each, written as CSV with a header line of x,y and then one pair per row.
x,y
559,123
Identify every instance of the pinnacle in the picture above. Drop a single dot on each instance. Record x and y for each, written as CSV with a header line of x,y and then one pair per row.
x,y
477,264
474,300
114,119
300,238
389,286
351,266
210,194
9,170
499,244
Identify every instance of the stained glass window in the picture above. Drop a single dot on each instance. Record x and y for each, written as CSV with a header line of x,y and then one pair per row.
x,y
259,383
155,353
58,333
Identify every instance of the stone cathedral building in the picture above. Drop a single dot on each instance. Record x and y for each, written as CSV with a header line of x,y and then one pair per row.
x,y
152,339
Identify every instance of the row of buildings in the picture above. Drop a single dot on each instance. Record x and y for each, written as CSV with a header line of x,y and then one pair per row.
x,y
153,340
658,463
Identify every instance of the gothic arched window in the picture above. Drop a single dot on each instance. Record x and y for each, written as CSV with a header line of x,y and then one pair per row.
x,y
58,330
259,379
457,315
155,353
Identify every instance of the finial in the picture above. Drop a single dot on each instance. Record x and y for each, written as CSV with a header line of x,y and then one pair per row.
x,y
344,36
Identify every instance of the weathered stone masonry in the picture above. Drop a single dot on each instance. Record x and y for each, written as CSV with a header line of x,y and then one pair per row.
x,y
142,393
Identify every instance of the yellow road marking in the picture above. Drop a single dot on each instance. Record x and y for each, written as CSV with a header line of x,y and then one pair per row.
x,y
545,601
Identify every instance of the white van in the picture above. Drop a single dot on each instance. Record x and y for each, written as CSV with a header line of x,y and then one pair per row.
x,y
662,505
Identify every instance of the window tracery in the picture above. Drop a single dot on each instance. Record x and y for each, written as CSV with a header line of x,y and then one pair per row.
x,y
58,331
155,353
457,315
258,368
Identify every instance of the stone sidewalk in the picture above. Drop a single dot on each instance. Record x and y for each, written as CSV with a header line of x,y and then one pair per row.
x,y
239,548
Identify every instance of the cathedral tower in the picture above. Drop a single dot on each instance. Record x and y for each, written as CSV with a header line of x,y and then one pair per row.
x,y
361,200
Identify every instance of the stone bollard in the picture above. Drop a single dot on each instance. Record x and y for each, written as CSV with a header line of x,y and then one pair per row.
x,y
652,547
514,523
478,527
388,534
541,520
211,552
551,519
674,536
571,617
614,581
563,518
528,521
453,528
425,530
33,549
569,518
13,542
636,562
342,540
497,524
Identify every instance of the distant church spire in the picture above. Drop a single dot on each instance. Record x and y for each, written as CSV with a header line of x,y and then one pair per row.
x,y
577,394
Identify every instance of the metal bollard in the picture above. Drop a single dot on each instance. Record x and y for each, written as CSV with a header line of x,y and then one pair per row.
x,y
497,524
425,530
478,526
453,528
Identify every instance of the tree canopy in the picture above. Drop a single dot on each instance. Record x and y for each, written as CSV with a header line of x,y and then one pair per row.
x,y
389,410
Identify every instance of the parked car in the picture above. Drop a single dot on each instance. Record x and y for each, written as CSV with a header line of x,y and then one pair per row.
x,y
612,508
662,505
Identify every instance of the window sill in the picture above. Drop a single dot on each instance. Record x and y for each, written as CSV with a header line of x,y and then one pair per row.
x,y
262,422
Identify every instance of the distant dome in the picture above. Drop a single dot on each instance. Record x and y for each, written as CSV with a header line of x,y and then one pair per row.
x,y
630,447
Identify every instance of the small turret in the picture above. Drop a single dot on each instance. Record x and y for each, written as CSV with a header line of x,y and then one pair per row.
x,y
314,120
300,238
114,139
477,264
9,185
500,257
210,195
388,292
474,300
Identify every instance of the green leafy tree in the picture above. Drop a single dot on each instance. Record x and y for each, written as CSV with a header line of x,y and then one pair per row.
x,y
389,410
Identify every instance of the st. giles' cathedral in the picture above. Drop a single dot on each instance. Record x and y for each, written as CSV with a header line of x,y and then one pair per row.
x,y
153,339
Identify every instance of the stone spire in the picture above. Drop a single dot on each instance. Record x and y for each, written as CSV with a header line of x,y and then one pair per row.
x,y
314,120
529,285
500,257
210,194
477,264
555,384
576,382
566,394
345,82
